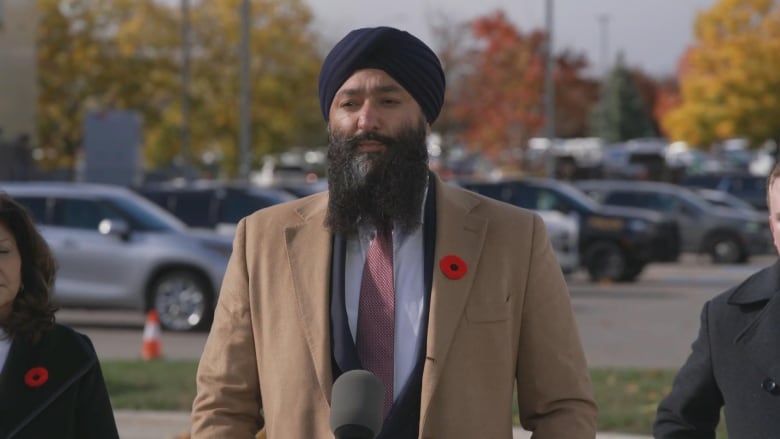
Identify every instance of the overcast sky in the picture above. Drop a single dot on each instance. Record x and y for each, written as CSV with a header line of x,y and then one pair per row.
x,y
652,33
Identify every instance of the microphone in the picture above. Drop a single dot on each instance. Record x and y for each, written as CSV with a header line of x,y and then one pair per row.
x,y
357,405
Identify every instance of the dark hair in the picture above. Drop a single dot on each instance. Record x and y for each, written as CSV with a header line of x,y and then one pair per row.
x,y
32,312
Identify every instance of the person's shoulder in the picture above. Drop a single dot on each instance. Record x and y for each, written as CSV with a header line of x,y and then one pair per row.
x,y
757,288
62,337
294,208
66,350
485,205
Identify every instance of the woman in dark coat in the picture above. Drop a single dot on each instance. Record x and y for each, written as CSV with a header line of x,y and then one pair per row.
x,y
51,384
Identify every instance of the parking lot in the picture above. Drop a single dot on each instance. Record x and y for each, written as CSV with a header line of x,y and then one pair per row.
x,y
650,323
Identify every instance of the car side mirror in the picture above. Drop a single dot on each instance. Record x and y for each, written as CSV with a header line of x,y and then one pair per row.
x,y
116,227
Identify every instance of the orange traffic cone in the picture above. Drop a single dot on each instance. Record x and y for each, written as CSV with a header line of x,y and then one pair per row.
x,y
151,348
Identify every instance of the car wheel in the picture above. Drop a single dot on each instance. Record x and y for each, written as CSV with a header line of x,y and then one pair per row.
x,y
605,261
183,300
725,249
632,271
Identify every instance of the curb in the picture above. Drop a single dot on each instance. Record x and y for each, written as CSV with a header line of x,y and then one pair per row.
x,y
143,424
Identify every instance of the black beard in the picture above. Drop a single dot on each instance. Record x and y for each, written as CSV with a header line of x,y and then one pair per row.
x,y
380,189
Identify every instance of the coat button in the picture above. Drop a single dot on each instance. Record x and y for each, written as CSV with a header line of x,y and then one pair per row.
x,y
769,385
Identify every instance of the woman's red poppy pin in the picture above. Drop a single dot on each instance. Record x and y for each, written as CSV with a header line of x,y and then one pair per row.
x,y
36,377
453,267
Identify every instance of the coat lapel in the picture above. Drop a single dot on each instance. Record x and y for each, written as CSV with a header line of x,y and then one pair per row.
x,y
459,233
761,336
309,245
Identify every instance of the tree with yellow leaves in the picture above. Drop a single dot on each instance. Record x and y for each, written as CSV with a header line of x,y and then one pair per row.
x,y
284,67
126,55
81,68
730,77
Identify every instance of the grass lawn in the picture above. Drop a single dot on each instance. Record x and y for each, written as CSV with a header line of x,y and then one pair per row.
x,y
152,385
627,398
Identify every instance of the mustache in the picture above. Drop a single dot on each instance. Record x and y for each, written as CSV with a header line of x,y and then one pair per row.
x,y
352,142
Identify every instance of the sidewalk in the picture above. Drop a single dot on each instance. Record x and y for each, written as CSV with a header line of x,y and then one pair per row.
x,y
170,425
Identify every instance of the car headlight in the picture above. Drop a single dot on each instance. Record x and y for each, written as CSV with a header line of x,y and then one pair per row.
x,y
637,225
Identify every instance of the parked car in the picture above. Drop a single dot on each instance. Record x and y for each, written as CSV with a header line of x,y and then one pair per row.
x,y
213,205
645,158
116,250
751,188
726,200
727,235
614,244
564,234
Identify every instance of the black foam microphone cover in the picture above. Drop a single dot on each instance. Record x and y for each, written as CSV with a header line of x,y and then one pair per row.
x,y
356,405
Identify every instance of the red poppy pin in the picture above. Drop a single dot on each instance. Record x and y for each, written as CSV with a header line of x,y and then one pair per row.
x,y
36,377
453,267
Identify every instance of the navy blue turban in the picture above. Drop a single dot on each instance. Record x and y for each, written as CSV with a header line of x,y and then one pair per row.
x,y
400,54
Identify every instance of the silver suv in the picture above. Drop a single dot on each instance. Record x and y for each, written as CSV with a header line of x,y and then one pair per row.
x,y
728,235
116,250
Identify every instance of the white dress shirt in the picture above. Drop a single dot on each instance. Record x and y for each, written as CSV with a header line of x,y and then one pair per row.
x,y
408,268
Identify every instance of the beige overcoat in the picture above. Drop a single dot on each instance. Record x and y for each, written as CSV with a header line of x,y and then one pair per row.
x,y
507,324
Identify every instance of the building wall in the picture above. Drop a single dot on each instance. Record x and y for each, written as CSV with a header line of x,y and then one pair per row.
x,y
18,72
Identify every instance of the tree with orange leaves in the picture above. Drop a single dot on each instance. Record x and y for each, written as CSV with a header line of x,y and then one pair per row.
x,y
499,100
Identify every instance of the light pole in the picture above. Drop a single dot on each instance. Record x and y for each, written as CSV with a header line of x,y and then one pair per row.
x,y
185,86
244,134
604,27
549,91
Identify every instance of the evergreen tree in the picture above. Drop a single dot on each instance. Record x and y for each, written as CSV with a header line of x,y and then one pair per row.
x,y
620,113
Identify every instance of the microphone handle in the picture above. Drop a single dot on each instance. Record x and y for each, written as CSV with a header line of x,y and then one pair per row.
x,y
354,431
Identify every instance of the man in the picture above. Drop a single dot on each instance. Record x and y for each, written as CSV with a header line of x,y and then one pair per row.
x,y
735,361
448,297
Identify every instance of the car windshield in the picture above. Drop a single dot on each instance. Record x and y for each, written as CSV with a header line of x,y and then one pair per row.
x,y
145,215
693,198
724,199
578,197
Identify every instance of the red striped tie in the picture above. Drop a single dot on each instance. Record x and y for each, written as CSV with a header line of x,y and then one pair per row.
x,y
376,313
